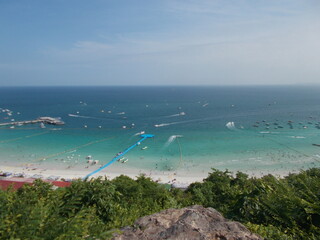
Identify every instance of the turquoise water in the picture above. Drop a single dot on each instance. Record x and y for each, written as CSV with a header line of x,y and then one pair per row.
x,y
260,139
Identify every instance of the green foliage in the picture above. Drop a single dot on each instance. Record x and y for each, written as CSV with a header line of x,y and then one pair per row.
x,y
287,208
141,197
85,210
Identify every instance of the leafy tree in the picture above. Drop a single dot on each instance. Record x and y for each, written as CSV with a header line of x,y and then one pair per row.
x,y
287,208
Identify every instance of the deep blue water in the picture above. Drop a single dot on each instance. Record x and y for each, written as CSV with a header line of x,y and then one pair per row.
x,y
200,114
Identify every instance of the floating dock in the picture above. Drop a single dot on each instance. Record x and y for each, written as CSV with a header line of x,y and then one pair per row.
x,y
45,120
121,154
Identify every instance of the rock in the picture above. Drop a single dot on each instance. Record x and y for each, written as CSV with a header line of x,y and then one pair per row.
x,y
195,222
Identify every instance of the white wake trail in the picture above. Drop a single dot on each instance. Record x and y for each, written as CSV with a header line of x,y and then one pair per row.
x,y
80,116
171,139
176,115
231,126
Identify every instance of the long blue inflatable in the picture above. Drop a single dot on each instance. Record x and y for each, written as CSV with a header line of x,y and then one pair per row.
x,y
120,154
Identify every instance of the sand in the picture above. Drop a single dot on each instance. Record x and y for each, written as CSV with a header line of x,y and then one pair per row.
x,y
179,178
170,177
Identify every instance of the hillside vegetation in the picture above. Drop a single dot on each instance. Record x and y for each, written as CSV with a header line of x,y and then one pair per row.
x,y
287,208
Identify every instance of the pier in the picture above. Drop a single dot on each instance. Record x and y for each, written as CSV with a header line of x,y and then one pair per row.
x,y
120,154
45,120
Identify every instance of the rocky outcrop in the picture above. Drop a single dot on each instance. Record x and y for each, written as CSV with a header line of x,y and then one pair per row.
x,y
194,222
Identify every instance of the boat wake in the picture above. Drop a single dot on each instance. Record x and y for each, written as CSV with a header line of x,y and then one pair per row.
x,y
171,139
164,124
231,126
297,137
80,116
139,133
176,115
181,122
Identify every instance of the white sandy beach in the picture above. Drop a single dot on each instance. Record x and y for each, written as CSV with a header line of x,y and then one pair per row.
x,y
112,172
180,178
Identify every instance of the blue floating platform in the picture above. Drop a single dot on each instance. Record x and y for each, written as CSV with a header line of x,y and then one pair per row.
x,y
147,135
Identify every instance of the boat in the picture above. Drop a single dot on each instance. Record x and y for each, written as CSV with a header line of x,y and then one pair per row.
x,y
53,178
37,176
317,145
144,148
119,153
22,175
5,174
95,161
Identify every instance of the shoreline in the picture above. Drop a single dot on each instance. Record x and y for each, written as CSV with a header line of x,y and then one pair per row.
x,y
179,178
68,174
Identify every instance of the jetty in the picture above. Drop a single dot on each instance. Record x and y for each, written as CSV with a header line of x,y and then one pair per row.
x,y
120,154
45,120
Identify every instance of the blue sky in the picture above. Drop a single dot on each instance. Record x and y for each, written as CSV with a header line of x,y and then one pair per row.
x,y
164,42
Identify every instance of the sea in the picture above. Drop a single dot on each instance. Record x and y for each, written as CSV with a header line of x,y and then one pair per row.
x,y
254,129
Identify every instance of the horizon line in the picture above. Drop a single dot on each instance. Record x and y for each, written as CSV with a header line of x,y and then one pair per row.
x,y
191,85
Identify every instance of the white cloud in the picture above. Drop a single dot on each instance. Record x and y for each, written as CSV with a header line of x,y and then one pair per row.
x,y
267,50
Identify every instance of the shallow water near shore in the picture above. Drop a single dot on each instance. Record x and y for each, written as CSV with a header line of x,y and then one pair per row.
x,y
270,129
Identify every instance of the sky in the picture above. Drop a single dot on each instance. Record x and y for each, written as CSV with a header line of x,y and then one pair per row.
x,y
159,42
